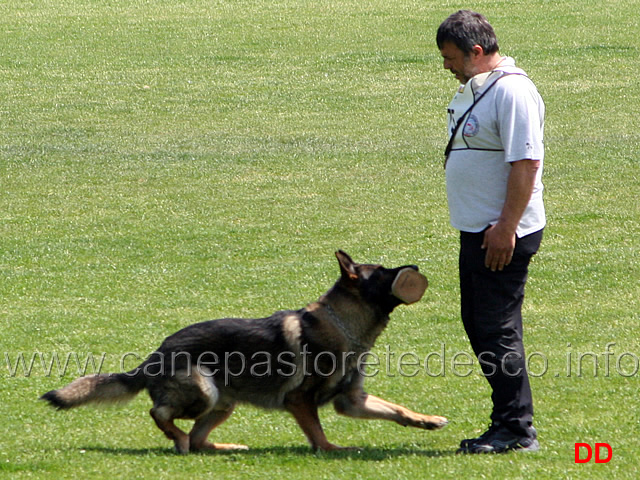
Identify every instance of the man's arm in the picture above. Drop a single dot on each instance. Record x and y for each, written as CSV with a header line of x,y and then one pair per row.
x,y
500,239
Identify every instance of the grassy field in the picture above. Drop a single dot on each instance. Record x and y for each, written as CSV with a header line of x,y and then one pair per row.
x,y
163,163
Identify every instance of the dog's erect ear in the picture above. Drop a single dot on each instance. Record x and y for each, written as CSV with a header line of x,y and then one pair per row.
x,y
347,266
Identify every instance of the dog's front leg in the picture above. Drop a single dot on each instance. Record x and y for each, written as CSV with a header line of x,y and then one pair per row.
x,y
306,414
359,404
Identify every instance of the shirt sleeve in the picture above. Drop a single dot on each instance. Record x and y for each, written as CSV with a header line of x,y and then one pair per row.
x,y
520,119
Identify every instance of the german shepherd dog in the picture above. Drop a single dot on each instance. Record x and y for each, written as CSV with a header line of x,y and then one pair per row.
x,y
296,360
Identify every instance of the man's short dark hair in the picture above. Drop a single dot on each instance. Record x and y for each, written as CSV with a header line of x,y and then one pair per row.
x,y
465,29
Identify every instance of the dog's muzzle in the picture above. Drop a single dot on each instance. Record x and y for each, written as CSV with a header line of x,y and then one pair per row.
x,y
409,285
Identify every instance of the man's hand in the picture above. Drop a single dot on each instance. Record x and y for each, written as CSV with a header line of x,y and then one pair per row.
x,y
499,242
500,239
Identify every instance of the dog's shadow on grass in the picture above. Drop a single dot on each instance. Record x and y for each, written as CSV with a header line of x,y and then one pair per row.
x,y
364,453
371,454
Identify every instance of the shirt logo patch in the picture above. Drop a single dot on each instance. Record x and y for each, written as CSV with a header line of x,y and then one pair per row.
x,y
471,126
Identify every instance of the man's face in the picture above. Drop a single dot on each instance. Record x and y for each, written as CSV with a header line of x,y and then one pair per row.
x,y
457,62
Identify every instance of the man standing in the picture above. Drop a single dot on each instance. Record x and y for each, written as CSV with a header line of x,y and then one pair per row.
x,y
493,174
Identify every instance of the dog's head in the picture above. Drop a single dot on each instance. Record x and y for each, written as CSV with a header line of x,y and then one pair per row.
x,y
385,287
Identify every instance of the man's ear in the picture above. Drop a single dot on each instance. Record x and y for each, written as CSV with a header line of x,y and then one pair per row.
x,y
347,266
477,50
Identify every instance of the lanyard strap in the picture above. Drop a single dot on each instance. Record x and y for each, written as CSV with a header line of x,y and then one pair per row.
x,y
460,121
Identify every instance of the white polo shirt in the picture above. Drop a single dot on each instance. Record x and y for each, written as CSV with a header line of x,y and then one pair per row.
x,y
505,126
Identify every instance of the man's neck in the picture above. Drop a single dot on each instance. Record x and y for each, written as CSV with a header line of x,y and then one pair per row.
x,y
490,62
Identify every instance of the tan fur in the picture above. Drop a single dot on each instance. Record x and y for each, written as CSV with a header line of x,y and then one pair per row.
x,y
292,331
94,389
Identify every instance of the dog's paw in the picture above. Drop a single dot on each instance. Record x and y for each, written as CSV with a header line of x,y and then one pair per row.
x,y
208,446
432,422
229,446
330,447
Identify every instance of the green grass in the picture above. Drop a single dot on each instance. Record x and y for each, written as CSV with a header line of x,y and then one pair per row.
x,y
163,163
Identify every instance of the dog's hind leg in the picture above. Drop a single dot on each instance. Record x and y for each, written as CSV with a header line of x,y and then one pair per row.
x,y
202,429
163,416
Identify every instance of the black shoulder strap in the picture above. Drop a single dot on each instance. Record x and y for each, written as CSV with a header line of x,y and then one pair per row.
x,y
449,146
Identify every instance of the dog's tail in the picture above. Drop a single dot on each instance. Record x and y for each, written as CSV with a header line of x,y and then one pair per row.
x,y
101,388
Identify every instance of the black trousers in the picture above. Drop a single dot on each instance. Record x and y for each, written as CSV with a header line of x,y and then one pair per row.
x,y
491,308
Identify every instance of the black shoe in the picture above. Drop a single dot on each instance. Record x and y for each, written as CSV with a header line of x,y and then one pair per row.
x,y
466,443
503,440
